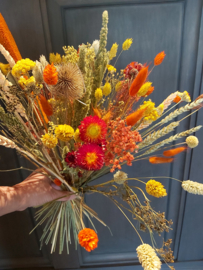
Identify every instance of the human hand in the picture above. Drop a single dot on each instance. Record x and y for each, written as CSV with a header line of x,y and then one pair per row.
x,y
38,189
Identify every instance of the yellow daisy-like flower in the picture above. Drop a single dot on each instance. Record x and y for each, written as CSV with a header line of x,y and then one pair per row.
x,y
111,68
22,67
64,132
127,43
107,89
155,189
98,94
49,140
113,51
144,89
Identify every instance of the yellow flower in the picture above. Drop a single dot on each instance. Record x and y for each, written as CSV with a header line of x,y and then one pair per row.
x,y
150,113
144,89
56,59
64,132
107,89
118,86
127,43
22,67
98,94
77,135
29,82
111,68
49,140
186,97
160,109
192,141
113,51
155,189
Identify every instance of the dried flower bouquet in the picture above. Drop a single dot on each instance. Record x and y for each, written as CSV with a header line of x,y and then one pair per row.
x,y
79,118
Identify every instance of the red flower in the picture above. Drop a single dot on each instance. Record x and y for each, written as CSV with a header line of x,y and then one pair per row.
x,y
90,157
92,129
70,159
132,70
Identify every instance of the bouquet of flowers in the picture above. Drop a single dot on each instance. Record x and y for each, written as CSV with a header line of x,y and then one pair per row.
x,y
79,118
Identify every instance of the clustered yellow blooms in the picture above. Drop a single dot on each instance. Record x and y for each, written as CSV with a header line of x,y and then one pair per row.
x,y
22,67
71,54
49,140
111,68
150,113
184,96
144,89
5,68
127,43
107,89
27,82
64,132
56,59
155,189
98,94
113,51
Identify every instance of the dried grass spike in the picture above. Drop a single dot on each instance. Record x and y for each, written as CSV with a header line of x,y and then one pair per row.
x,y
70,82
6,142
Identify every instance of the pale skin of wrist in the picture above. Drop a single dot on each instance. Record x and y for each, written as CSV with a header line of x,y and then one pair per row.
x,y
35,190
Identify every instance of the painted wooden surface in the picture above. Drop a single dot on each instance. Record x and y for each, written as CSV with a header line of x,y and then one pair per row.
x,y
173,26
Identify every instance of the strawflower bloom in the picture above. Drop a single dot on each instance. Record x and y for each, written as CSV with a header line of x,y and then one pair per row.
x,y
155,189
88,239
113,51
64,132
107,89
90,157
127,43
159,58
148,258
70,159
50,75
49,140
98,94
192,141
193,187
144,89
92,129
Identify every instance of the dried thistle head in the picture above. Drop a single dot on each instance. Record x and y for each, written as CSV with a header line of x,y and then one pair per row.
x,y
70,83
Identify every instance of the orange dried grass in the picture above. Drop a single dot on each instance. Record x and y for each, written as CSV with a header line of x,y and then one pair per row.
x,y
138,81
133,118
46,106
158,160
151,89
7,40
177,99
159,58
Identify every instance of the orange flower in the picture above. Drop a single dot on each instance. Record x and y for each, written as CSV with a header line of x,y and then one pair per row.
x,y
159,58
96,112
7,40
133,118
157,160
88,239
173,152
138,81
57,182
47,108
151,89
177,99
50,75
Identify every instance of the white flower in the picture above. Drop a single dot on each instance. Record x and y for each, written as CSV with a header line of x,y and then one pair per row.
x,y
192,141
148,258
95,46
193,187
120,177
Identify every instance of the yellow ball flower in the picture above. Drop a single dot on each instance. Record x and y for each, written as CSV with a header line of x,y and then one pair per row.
x,y
64,132
98,94
144,89
192,141
49,140
111,68
107,89
113,51
127,43
22,67
155,189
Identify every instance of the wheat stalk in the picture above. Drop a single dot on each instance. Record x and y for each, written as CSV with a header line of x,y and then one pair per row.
x,y
158,134
7,55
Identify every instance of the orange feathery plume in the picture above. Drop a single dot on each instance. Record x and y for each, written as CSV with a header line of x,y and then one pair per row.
x,y
151,89
177,99
138,81
133,118
157,160
88,239
7,40
173,152
106,117
96,112
38,111
50,75
159,58
57,182
46,106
